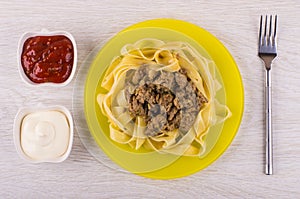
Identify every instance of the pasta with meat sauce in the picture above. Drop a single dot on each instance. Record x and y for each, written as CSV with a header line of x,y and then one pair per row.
x,y
161,96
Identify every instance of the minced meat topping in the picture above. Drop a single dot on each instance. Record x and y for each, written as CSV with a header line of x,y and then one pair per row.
x,y
166,100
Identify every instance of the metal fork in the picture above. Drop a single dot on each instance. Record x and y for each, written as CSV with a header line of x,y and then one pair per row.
x,y
267,51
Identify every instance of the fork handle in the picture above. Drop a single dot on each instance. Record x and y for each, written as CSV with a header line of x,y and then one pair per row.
x,y
269,141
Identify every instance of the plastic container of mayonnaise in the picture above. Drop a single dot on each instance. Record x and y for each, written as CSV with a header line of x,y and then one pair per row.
x,y
43,134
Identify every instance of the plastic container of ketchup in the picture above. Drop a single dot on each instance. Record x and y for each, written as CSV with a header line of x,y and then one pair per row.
x,y
47,58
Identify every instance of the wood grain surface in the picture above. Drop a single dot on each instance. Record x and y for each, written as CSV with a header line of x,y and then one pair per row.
x,y
238,173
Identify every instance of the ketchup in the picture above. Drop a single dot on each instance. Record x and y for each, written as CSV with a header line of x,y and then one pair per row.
x,y
48,58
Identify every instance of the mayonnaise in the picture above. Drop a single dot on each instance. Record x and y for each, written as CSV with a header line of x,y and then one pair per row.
x,y
45,135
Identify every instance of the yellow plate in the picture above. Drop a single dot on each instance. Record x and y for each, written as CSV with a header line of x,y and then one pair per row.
x,y
155,165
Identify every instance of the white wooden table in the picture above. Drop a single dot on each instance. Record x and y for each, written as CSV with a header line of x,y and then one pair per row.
x,y
239,173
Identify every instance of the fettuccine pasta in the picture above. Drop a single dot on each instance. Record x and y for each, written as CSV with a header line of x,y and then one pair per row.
x,y
161,96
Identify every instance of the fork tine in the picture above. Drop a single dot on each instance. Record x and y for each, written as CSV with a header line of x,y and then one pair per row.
x,y
265,31
275,32
260,31
270,31
275,29
266,21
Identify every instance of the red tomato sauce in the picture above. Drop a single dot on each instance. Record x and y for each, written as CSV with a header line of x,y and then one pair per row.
x,y
48,58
